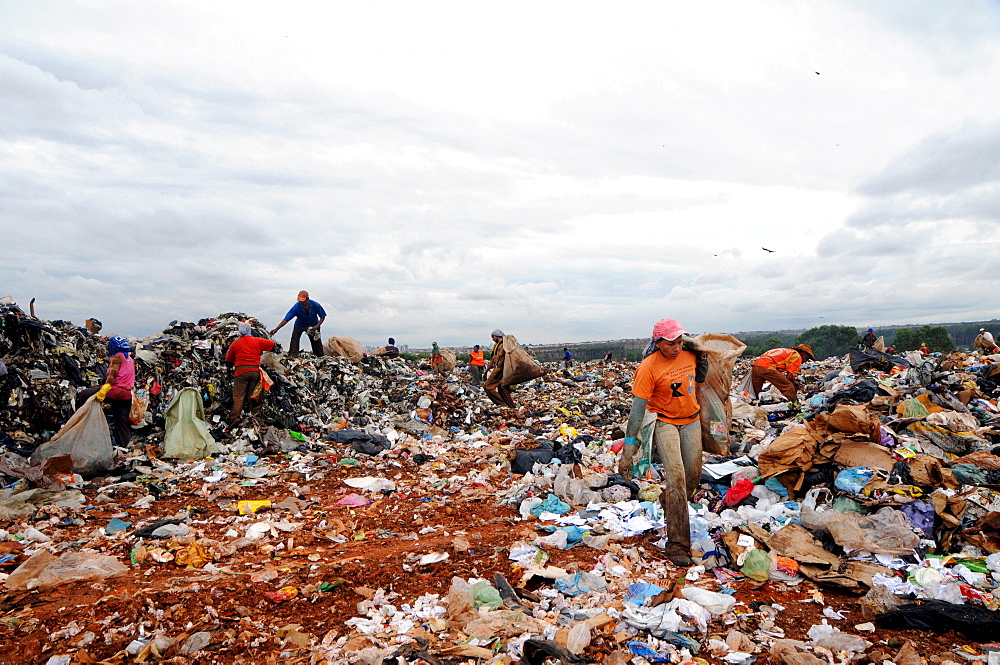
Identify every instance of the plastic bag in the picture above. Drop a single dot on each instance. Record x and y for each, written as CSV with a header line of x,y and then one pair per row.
x,y
757,565
461,604
518,366
574,491
43,570
85,437
137,414
552,504
738,492
716,603
186,436
887,531
484,595
824,635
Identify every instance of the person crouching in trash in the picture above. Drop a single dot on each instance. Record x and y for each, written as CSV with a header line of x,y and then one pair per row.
x,y
664,384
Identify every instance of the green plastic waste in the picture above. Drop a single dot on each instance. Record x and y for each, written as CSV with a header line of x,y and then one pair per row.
x,y
484,595
757,565
298,436
846,504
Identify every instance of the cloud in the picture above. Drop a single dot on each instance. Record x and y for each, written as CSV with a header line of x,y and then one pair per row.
x,y
578,176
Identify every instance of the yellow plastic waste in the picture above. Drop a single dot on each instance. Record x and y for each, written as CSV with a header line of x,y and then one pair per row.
x,y
251,507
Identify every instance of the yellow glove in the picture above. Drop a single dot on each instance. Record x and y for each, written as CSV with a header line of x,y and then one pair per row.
x,y
103,392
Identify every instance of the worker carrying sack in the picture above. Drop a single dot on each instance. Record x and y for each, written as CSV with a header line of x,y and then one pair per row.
x,y
518,366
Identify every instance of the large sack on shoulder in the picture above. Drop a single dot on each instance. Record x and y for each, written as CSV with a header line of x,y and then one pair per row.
x,y
713,394
187,436
448,361
344,347
518,366
86,438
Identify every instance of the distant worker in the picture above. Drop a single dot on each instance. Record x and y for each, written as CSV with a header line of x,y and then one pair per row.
x,y
780,367
924,350
890,350
477,362
390,350
498,393
985,342
607,357
664,384
567,358
309,315
868,341
437,360
244,354
117,389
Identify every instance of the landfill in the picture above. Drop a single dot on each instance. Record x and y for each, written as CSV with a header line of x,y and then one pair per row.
x,y
370,511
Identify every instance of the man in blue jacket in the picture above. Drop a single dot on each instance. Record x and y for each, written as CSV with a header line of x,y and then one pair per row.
x,y
309,315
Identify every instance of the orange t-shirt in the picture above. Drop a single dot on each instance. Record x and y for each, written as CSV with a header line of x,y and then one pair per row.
x,y
668,387
477,358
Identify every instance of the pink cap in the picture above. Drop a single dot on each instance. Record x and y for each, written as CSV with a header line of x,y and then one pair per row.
x,y
667,329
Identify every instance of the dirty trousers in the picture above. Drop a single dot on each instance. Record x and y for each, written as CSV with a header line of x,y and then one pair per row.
x,y
476,372
760,375
243,386
121,429
679,447
317,343
500,395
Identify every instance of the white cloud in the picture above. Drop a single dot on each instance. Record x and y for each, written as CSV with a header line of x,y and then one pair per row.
x,y
565,171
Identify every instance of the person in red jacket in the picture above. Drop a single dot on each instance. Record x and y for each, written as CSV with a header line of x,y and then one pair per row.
x,y
245,354
780,367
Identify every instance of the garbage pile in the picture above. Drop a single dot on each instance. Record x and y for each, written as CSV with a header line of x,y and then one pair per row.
x,y
371,512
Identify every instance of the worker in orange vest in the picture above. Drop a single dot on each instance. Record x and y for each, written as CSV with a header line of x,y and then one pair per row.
x,y
477,362
780,368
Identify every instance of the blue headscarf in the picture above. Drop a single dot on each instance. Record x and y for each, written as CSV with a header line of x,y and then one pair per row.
x,y
118,344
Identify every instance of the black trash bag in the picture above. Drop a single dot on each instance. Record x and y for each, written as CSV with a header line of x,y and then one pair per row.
x,y
618,479
977,623
900,474
567,453
71,368
988,378
877,360
861,392
362,442
147,531
535,652
524,460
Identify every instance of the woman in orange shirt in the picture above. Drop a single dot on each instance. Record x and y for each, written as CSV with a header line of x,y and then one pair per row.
x,y
664,384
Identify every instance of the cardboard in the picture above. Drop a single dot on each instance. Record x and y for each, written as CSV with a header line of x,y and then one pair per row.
x,y
860,453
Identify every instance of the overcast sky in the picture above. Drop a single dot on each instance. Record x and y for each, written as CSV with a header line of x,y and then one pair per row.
x,y
566,171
